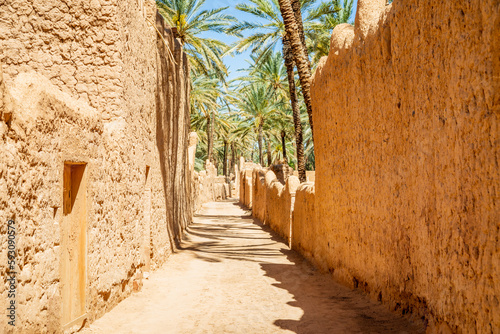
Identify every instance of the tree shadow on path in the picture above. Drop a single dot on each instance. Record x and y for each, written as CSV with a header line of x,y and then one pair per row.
x,y
328,306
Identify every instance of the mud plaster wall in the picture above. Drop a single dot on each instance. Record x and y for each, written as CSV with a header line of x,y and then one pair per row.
x,y
304,224
406,112
93,83
280,201
247,181
246,187
310,175
272,202
259,194
208,187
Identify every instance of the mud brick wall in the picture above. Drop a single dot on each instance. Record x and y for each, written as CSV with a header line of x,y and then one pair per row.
x,y
91,84
304,225
246,187
272,202
259,194
406,110
208,187
280,201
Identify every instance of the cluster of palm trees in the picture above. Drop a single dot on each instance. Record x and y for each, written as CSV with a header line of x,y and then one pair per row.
x,y
262,110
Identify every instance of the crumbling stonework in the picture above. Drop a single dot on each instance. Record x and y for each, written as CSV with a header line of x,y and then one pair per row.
x,y
406,110
94,133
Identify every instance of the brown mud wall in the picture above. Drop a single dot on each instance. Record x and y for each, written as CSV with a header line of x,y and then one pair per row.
x,y
279,203
208,187
259,194
271,201
94,85
246,187
406,111
304,225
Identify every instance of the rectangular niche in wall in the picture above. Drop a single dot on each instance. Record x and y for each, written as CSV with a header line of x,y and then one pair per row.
x,y
74,244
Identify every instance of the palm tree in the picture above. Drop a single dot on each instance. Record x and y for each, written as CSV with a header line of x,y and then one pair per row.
x,y
205,92
294,30
279,148
225,134
281,121
205,54
308,146
270,71
256,104
266,36
274,75
322,21
289,63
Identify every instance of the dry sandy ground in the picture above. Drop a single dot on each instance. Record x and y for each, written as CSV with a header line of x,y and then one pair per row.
x,y
235,276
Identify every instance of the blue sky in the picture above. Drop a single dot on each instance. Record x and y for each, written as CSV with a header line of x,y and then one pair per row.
x,y
238,61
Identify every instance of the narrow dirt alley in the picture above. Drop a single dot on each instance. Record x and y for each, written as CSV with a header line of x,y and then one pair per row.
x,y
235,276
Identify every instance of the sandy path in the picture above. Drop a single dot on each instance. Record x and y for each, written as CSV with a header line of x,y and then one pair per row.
x,y
235,276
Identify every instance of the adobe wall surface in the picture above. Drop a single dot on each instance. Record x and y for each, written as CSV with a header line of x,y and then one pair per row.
x,y
280,201
247,182
208,187
259,194
304,225
89,83
271,201
246,187
406,111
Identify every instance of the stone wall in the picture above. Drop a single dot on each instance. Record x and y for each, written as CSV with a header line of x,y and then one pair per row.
x,y
93,98
406,110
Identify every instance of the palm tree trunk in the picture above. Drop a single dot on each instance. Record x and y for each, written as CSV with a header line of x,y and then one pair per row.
x,y
212,127
233,159
261,158
283,146
209,138
301,164
224,166
269,157
296,5
299,53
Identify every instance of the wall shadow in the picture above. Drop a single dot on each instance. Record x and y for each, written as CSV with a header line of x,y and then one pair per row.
x,y
329,307
326,306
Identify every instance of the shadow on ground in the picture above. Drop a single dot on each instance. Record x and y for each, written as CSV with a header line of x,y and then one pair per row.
x,y
327,307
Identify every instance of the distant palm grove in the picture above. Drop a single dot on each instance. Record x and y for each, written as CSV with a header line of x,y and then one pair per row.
x,y
264,114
